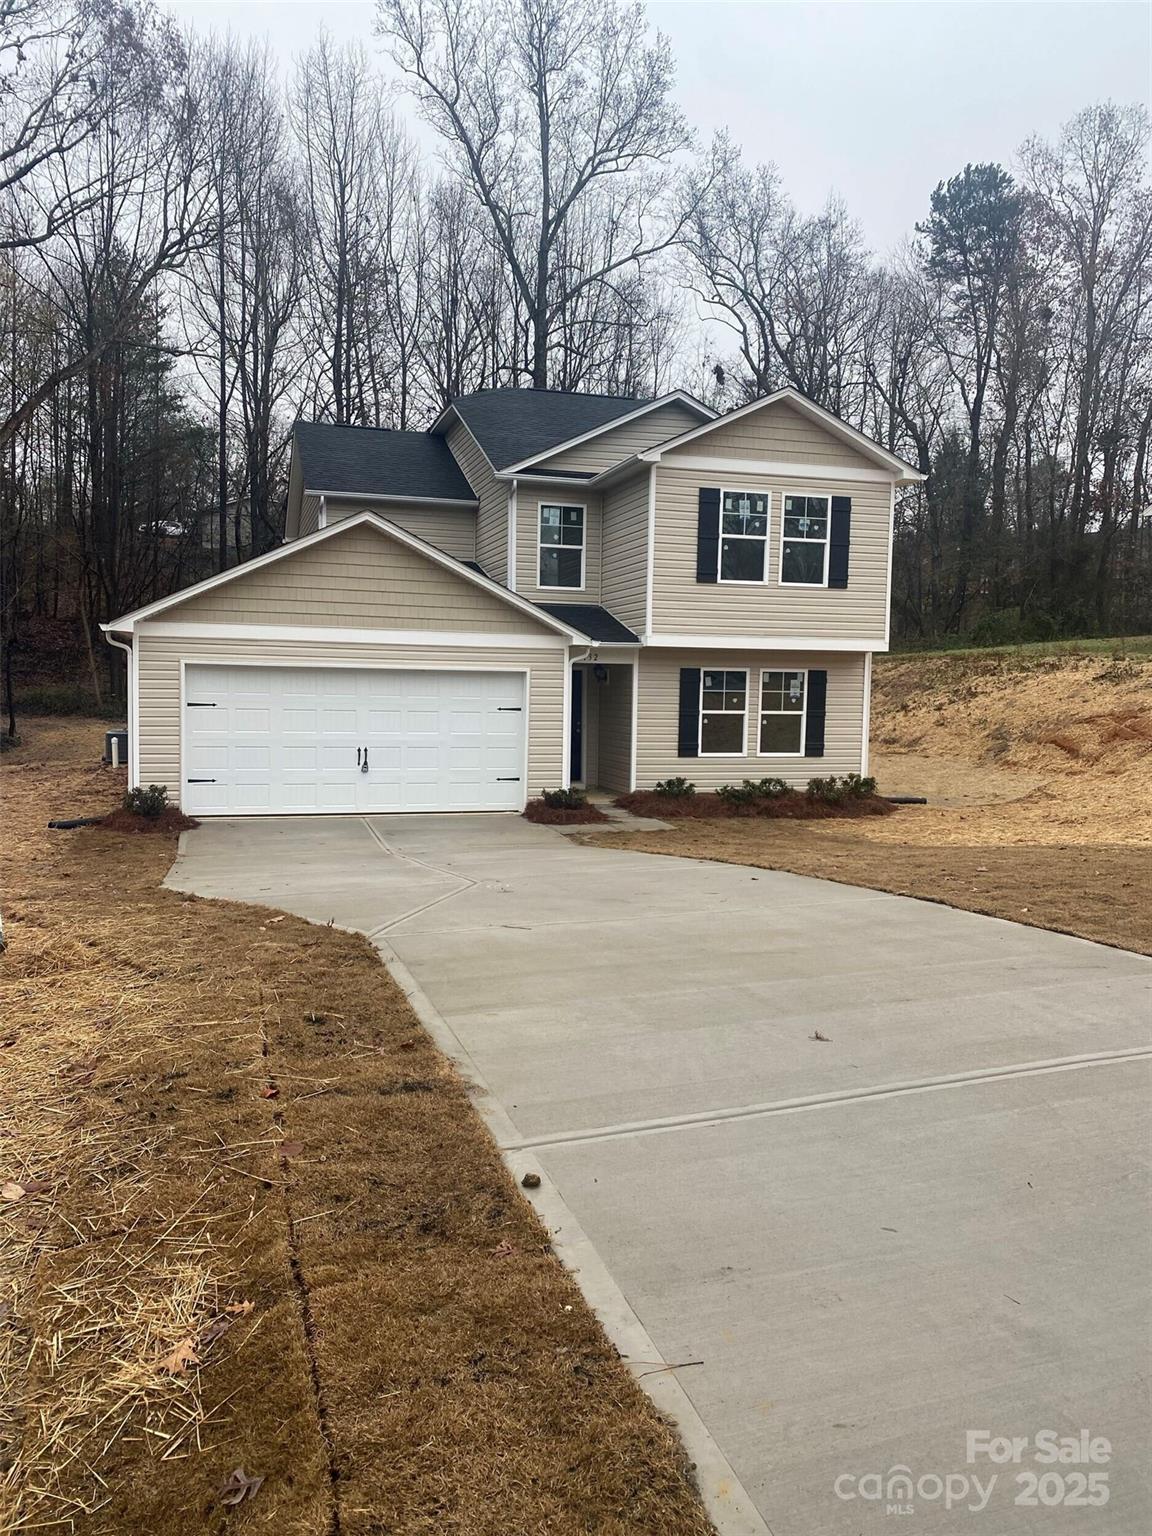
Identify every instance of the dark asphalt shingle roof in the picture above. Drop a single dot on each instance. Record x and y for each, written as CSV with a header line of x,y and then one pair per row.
x,y
375,461
515,424
592,620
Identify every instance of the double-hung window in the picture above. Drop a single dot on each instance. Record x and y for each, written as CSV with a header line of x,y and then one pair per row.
x,y
723,713
782,701
804,542
561,545
743,535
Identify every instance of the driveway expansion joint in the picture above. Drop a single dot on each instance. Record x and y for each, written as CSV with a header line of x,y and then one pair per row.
x,y
833,1100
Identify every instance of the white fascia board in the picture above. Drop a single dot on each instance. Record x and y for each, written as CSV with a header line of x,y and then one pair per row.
x,y
480,639
793,397
760,643
126,623
406,501
780,469
677,396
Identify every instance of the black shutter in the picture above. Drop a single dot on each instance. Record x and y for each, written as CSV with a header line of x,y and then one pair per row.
x,y
708,534
840,538
688,743
817,707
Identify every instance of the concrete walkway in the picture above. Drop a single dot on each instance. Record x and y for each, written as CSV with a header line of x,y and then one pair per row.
x,y
934,1220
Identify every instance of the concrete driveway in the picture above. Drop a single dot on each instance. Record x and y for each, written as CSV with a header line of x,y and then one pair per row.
x,y
934,1221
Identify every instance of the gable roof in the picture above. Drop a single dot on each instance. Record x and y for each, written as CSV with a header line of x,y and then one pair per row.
x,y
375,461
512,425
676,397
467,571
832,423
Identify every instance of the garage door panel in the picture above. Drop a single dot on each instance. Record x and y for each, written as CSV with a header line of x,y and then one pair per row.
x,y
286,739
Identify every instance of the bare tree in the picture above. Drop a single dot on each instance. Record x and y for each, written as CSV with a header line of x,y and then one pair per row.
x,y
545,104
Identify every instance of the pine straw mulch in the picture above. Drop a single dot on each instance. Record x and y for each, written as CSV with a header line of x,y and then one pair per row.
x,y
562,816
252,1225
794,806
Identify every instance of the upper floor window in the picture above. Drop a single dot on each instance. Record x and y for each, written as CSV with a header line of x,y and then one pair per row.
x,y
804,543
743,535
561,545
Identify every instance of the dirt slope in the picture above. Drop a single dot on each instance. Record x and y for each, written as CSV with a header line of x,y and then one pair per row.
x,y
1016,747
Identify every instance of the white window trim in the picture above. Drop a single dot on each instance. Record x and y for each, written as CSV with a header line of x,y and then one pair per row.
x,y
700,714
811,586
791,713
541,546
733,581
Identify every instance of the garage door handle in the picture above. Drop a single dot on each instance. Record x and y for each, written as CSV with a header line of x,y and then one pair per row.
x,y
199,704
509,709
364,764
516,780
201,781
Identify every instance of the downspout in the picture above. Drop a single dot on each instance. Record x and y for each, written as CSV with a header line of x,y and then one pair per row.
x,y
130,693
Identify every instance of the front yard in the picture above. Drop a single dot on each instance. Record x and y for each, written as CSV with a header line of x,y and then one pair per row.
x,y
252,1229
1038,766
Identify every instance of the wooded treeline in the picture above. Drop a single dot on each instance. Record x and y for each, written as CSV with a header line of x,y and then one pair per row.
x,y
197,247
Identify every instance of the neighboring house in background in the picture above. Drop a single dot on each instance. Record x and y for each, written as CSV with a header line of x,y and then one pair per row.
x,y
542,589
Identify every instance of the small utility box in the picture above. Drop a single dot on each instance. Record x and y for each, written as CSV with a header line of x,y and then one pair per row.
x,y
116,748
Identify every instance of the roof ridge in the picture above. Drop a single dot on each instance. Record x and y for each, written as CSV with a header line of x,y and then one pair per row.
x,y
565,394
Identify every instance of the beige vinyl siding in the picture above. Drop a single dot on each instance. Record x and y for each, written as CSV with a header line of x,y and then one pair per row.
x,y
777,432
309,514
659,718
159,685
624,550
452,529
618,443
614,712
492,519
683,605
529,496
357,579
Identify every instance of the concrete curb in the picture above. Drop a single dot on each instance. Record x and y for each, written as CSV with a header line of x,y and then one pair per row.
x,y
729,1507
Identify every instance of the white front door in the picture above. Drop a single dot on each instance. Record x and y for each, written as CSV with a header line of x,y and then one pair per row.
x,y
284,740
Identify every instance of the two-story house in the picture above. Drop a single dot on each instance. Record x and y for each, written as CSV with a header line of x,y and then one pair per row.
x,y
542,589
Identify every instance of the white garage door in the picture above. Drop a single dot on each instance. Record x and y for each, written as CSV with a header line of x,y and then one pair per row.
x,y
306,739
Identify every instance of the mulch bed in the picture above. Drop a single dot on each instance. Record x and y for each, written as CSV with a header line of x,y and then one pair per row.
x,y
169,821
551,816
796,806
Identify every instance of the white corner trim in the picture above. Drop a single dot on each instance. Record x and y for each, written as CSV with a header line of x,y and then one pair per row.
x,y
677,396
706,642
126,622
866,724
781,469
650,562
322,515
888,578
632,771
513,511
566,727
481,639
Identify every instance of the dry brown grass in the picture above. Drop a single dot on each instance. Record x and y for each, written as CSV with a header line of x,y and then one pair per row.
x,y
1039,770
265,1230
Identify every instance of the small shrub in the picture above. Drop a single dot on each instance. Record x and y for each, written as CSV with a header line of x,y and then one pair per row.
x,y
834,791
753,791
150,802
675,789
565,799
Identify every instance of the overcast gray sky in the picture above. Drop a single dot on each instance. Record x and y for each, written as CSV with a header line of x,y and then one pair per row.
x,y
875,99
